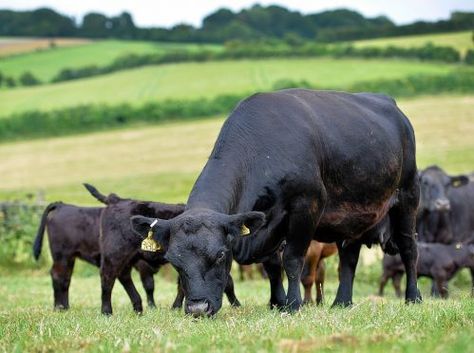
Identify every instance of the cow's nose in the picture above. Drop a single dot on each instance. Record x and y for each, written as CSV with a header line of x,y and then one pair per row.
x,y
442,204
198,309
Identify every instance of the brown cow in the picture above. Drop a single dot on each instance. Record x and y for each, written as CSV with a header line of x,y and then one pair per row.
x,y
314,269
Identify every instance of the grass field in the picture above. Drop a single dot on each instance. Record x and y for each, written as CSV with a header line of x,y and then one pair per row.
x,y
27,322
161,162
461,41
20,45
195,80
46,64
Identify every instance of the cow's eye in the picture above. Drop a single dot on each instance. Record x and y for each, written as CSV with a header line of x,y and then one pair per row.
x,y
220,256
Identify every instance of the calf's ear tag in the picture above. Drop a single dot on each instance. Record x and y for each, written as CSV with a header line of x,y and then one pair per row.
x,y
244,230
149,244
458,246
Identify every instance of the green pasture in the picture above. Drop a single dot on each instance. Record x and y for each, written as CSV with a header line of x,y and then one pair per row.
x,y
373,324
208,79
47,63
161,162
461,41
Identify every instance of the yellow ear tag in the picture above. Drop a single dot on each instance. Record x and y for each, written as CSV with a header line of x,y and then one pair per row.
x,y
149,244
458,246
244,230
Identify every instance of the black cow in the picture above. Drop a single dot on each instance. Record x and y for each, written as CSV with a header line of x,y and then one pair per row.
x,y
439,262
295,165
73,232
439,192
119,251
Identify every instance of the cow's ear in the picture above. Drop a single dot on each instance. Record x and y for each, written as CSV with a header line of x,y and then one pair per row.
x,y
245,223
459,180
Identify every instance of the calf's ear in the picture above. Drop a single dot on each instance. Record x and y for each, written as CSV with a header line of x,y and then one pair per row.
x,y
245,223
459,180
141,226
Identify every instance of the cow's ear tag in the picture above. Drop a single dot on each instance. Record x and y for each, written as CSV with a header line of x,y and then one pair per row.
x,y
244,230
149,244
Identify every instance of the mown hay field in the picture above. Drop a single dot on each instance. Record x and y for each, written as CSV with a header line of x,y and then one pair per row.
x,y
461,41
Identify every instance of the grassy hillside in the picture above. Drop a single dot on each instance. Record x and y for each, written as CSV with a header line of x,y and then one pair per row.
x,y
27,322
461,41
162,162
46,64
195,80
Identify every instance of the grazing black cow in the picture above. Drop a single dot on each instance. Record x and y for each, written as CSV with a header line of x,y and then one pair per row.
x,y
119,250
438,193
295,165
437,261
73,232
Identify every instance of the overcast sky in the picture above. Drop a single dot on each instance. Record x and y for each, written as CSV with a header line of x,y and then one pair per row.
x,y
168,13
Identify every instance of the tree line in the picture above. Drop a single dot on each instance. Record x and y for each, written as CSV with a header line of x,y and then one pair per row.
x,y
256,22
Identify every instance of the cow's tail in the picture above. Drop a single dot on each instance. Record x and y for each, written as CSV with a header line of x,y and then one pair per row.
x,y
94,192
40,234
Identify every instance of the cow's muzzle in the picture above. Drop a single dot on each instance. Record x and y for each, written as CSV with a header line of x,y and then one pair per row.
x,y
442,204
198,308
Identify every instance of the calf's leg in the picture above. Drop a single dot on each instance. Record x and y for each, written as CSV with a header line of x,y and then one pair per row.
x,y
146,276
125,279
61,273
230,292
320,276
383,281
178,301
397,280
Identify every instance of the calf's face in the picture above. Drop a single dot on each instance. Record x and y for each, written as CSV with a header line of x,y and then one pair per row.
x,y
434,186
198,244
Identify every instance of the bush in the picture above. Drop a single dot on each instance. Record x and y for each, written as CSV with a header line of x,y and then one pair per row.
x,y
28,79
18,225
469,58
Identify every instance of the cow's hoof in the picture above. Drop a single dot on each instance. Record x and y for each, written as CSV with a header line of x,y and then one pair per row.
x,y
236,304
61,307
414,299
342,304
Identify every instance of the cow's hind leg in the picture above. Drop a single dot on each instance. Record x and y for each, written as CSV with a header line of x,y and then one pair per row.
x,y
273,268
61,273
403,219
348,258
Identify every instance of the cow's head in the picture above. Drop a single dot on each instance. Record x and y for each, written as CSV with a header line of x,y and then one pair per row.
x,y
434,186
198,244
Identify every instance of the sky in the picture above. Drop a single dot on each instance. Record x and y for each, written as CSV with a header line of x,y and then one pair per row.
x,y
168,13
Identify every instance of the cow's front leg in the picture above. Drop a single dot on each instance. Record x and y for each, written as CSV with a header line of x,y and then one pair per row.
x,y
348,257
302,225
273,269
